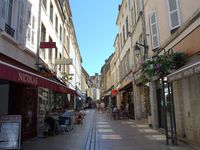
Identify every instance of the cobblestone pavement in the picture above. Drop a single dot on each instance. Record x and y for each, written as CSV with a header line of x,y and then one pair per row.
x,y
100,132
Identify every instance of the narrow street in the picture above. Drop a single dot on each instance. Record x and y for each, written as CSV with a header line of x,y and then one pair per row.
x,y
100,132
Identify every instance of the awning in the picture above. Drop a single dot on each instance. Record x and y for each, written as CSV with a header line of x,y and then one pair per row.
x,y
126,87
184,72
13,73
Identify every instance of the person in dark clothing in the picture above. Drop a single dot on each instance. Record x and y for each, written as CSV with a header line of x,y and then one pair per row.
x,y
51,122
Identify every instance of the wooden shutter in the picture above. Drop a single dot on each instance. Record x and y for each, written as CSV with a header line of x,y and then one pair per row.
x,y
154,30
174,14
3,13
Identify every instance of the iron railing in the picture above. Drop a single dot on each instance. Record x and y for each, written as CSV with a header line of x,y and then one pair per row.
x,y
9,30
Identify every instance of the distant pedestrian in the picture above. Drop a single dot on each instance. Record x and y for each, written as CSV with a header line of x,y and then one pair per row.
x,y
102,106
98,106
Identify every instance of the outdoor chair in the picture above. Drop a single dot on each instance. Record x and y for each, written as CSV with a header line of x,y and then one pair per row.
x,y
64,124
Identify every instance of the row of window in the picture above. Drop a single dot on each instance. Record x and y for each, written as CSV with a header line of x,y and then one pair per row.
x,y
51,17
125,29
125,65
174,22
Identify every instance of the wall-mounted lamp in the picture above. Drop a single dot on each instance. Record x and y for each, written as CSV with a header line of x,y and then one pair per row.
x,y
138,49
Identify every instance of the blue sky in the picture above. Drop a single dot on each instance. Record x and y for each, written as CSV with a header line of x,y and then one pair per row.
x,y
96,29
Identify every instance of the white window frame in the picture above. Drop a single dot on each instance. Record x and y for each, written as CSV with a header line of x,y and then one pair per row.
x,y
150,23
169,15
31,31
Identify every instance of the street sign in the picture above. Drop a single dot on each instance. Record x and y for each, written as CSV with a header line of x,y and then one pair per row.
x,y
47,44
114,92
63,61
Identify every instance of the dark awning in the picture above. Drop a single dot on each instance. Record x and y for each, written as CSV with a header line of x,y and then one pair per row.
x,y
13,73
126,87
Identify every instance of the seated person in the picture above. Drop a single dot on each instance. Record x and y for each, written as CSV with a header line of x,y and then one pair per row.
x,y
79,116
67,115
51,122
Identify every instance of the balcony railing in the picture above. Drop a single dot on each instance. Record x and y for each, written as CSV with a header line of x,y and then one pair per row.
x,y
9,30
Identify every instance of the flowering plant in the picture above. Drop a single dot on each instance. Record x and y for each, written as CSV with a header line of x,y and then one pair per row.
x,y
162,65
151,68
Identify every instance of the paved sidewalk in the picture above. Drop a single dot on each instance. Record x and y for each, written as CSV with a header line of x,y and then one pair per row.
x,y
99,132
73,140
131,135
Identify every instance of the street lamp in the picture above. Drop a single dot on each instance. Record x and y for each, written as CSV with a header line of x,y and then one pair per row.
x,y
138,49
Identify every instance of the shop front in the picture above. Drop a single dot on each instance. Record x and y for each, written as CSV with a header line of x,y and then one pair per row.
x,y
127,99
20,91
142,96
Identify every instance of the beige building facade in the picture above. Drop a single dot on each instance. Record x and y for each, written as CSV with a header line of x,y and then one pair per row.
x,y
175,28
159,28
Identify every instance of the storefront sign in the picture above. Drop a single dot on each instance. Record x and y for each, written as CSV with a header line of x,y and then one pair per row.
x,y
114,92
26,78
185,72
10,131
13,73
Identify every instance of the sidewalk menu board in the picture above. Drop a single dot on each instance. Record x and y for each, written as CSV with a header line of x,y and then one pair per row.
x,y
10,131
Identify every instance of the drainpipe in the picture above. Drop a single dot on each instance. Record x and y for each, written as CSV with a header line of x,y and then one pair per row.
x,y
38,37
144,31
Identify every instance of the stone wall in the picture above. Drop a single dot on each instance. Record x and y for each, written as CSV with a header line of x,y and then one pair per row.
x,y
187,108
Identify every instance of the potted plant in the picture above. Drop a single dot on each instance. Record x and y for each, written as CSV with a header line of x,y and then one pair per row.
x,y
178,60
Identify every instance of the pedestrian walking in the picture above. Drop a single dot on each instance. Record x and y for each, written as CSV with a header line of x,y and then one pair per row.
x,y
102,106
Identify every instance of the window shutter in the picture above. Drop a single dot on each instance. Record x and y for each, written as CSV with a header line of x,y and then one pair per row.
x,y
154,30
3,13
21,23
174,14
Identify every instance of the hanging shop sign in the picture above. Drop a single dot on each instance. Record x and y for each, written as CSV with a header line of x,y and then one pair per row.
x,y
47,44
47,74
63,61
114,92
10,131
